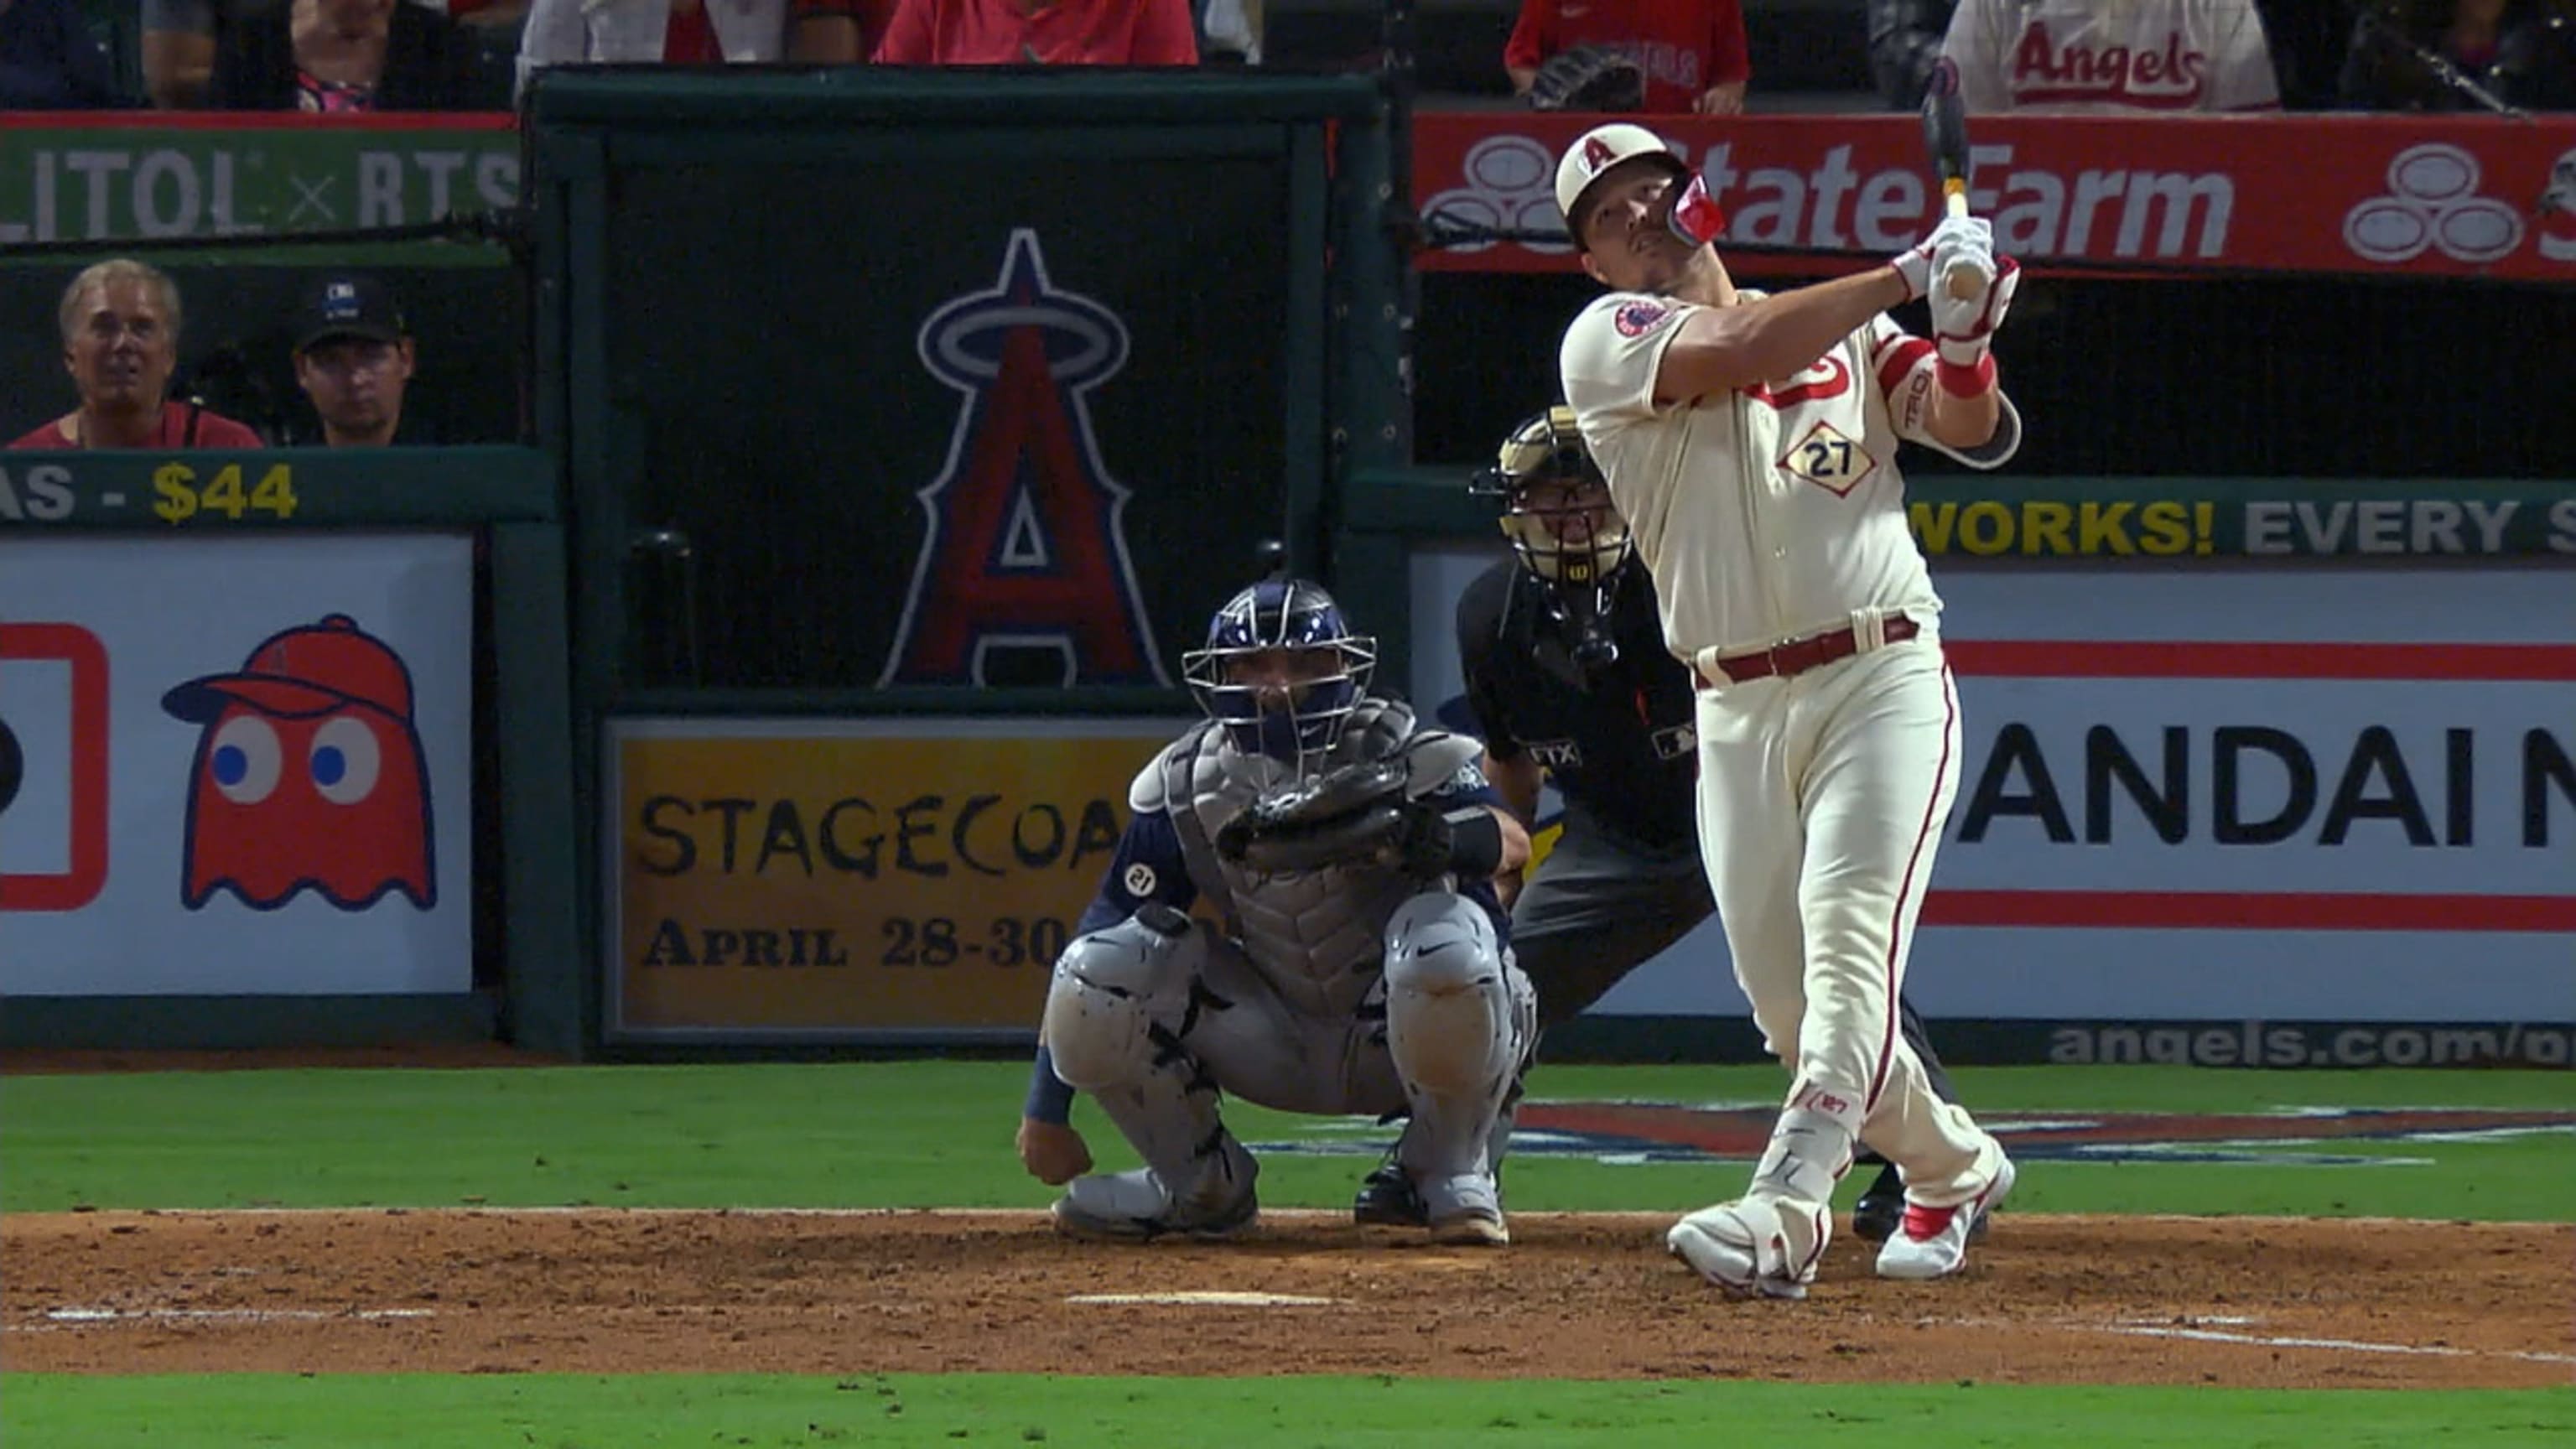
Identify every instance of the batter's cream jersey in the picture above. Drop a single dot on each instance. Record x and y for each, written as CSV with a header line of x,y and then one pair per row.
x,y
1771,512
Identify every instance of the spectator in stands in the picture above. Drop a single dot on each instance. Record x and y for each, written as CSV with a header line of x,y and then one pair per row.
x,y
120,326
49,60
2082,56
1904,43
697,32
2520,52
353,358
337,56
1692,51
180,38
1039,32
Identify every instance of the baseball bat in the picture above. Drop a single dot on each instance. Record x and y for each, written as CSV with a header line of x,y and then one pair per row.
x,y
1945,135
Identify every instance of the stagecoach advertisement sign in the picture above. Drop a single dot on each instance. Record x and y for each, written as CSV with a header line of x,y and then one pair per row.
x,y
2238,794
832,880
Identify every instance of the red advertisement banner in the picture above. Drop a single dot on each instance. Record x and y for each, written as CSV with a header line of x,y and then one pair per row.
x,y
2375,195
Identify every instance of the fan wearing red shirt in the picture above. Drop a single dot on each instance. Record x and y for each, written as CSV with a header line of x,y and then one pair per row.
x,y
120,325
1692,51
1039,32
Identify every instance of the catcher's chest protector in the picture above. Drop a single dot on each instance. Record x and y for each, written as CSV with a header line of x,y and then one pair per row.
x,y
1316,936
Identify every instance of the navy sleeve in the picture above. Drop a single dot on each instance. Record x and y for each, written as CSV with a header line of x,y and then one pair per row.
x,y
1149,866
1469,787
1049,1099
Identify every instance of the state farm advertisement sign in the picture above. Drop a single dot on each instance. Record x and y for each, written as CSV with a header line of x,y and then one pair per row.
x,y
2367,194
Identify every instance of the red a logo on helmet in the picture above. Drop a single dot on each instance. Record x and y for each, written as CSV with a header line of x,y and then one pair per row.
x,y
1596,154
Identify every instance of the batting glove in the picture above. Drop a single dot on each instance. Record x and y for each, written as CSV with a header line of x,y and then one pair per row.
x,y
1915,266
1964,331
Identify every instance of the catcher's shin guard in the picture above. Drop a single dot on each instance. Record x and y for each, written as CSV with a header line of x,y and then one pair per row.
x,y
1459,1021
1112,1026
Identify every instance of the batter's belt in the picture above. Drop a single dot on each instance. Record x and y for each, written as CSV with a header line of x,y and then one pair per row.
x,y
1797,656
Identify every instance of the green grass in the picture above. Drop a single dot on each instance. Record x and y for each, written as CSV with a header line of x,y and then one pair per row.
x,y
938,1134
872,1134
544,1411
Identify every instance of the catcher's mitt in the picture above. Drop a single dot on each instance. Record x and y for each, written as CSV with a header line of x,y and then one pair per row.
x,y
1354,815
1589,78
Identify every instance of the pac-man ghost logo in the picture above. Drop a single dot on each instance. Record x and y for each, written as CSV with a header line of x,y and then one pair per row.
x,y
308,774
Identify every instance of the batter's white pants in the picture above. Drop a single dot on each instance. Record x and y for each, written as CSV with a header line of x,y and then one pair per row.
x,y
1822,799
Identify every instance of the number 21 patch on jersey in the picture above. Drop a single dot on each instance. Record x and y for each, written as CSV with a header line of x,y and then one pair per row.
x,y
1828,458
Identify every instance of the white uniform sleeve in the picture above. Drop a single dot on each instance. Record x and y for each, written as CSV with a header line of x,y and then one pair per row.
x,y
1902,366
1613,352
1609,363
1973,47
2241,76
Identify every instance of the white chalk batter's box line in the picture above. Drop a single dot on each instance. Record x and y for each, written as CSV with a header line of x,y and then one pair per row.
x,y
57,1319
2189,1327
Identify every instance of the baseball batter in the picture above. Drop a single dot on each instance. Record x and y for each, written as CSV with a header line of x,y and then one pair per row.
x,y
1750,442
1364,966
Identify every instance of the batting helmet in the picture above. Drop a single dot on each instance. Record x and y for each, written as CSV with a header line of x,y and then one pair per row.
x,y
1592,156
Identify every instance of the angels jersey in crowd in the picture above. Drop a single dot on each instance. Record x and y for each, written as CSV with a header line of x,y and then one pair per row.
x,y
2080,57
1775,511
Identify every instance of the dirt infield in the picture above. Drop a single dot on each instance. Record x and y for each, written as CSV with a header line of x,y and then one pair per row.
x,y
2243,1302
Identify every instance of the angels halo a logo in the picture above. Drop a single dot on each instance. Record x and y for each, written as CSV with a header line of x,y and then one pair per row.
x,y
1025,547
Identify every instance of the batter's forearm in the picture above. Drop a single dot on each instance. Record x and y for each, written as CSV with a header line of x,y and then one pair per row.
x,y
1964,422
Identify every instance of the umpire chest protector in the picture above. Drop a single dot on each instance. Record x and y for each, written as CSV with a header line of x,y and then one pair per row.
x,y
1317,936
1619,739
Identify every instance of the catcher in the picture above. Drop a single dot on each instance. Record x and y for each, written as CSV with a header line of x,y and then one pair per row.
x,y
1363,965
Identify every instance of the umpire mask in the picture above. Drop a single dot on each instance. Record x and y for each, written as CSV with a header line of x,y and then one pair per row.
x,y
1558,514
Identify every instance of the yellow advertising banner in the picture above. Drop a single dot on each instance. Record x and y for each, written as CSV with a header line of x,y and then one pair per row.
x,y
903,879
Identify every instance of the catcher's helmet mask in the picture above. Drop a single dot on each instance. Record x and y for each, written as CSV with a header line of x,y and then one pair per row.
x,y
1293,721
1559,518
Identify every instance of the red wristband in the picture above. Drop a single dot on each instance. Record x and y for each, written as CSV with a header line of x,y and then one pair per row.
x,y
1960,381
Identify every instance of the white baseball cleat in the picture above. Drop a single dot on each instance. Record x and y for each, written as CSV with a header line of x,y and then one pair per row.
x,y
1933,1242
1763,1247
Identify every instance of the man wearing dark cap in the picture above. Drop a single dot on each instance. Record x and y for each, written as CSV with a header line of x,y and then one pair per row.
x,y
353,358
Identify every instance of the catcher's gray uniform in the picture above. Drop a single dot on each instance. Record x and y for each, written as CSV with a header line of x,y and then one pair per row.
x,y
1355,988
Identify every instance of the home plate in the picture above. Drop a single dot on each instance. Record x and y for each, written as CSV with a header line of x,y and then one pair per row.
x,y
1206,1299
